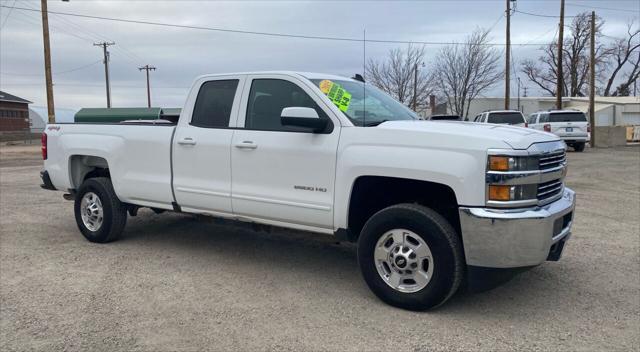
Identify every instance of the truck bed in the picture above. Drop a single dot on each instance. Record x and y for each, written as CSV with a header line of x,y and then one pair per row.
x,y
138,155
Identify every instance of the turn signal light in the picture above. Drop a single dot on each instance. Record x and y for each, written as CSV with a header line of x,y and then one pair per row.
x,y
499,163
500,193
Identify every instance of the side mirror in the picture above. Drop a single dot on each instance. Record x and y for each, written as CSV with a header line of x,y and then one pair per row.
x,y
303,117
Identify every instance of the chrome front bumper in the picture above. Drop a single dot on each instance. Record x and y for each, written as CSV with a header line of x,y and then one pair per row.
x,y
510,238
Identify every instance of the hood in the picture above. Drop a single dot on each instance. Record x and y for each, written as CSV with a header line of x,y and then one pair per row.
x,y
516,137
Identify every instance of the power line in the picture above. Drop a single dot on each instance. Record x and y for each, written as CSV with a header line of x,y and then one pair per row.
x,y
544,34
599,7
36,21
496,23
91,36
541,15
55,73
97,85
8,14
269,34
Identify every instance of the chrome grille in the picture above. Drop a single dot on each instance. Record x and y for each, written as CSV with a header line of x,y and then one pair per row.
x,y
549,190
550,161
535,177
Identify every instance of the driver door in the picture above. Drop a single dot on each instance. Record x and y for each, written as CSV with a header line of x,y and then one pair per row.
x,y
283,174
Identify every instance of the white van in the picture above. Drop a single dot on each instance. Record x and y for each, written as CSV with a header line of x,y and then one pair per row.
x,y
570,125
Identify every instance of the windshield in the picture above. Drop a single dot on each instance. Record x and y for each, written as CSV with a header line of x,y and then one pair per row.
x,y
567,117
363,104
510,118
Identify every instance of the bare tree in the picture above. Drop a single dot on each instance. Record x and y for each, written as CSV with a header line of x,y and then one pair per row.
x,y
463,71
395,75
575,60
617,65
624,52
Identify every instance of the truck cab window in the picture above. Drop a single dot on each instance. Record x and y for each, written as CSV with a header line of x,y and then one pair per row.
x,y
213,104
267,99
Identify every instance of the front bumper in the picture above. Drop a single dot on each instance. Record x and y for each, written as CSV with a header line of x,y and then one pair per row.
x,y
513,238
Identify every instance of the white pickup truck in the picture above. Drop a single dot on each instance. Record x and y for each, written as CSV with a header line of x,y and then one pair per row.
x,y
430,204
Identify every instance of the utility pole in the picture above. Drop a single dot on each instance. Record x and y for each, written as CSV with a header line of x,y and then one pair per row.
x,y
104,46
47,61
415,87
560,84
518,78
148,68
592,81
507,72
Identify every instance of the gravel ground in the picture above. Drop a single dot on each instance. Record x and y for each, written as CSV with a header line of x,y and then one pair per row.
x,y
177,283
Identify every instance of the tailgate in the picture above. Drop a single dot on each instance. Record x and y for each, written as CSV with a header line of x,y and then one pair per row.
x,y
569,128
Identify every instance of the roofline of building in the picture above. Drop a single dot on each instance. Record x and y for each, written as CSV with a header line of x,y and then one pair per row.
x,y
23,101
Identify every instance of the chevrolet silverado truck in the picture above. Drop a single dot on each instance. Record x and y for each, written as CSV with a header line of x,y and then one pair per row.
x,y
431,205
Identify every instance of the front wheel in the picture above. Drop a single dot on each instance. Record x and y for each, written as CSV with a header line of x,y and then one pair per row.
x,y
410,257
100,215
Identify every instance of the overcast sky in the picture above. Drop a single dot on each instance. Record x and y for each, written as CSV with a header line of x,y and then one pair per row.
x,y
182,54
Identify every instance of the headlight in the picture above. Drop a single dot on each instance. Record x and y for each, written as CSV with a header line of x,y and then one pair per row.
x,y
505,193
512,163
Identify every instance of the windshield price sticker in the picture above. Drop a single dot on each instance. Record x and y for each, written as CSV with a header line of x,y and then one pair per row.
x,y
338,95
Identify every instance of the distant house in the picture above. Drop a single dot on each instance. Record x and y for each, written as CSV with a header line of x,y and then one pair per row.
x,y
14,113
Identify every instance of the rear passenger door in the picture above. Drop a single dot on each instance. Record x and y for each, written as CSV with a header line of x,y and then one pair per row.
x,y
201,146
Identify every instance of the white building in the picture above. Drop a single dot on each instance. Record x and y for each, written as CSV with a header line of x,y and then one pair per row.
x,y
610,111
38,117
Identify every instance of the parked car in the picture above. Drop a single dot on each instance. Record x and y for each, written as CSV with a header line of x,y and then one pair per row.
x,y
503,117
445,118
571,126
429,204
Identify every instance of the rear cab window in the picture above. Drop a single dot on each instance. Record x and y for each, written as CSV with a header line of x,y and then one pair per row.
x,y
567,117
511,118
214,104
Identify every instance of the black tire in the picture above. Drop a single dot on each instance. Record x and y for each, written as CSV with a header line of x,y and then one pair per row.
x,y
114,212
439,235
579,147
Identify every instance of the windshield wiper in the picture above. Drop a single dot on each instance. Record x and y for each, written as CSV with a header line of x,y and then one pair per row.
x,y
374,123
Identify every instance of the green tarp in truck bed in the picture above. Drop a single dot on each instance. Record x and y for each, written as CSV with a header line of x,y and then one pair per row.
x,y
115,115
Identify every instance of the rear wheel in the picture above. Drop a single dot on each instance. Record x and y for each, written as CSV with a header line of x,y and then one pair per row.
x,y
410,257
100,215
578,147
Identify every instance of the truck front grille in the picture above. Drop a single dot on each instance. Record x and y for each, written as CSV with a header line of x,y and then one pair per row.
x,y
552,160
548,190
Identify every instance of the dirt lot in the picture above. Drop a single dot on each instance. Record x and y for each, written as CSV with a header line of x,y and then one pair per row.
x,y
175,283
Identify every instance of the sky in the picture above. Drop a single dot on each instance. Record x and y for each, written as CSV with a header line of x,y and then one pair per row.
x,y
181,54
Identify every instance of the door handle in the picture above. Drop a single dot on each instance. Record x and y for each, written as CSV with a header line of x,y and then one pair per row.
x,y
187,141
246,145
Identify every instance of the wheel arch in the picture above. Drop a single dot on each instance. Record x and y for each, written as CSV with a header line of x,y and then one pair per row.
x,y
370,194
82,167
